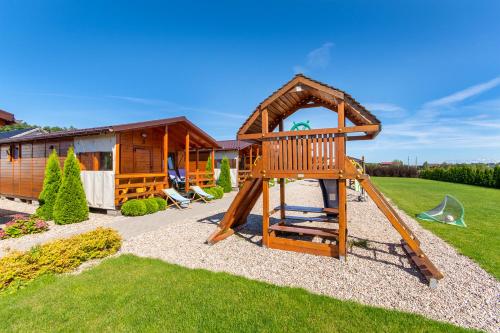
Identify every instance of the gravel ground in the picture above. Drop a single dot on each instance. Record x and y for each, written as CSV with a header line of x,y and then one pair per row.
x,y
378,275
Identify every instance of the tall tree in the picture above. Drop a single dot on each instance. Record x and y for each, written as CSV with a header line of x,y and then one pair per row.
x,y
51,185
71,203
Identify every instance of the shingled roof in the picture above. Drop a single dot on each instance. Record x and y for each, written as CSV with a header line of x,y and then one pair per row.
x,y
298,93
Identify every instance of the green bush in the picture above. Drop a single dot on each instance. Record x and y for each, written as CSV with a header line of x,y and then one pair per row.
x,y
208,166
134,207
162,204
216,191
480,175
60,256
71,203
151,205
225,176
51,184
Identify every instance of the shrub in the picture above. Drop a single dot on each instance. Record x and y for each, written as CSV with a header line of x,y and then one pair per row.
x,y
480,175
59,256
162,203
21,225
395,170
151,205
134,207
216,191
51,184
71,203
225,176
208,166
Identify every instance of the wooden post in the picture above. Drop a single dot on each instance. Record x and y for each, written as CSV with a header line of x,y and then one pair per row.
x,y
117,154
186,163
165,154
265,212
282,184
213,166
251,158
197,159
340,165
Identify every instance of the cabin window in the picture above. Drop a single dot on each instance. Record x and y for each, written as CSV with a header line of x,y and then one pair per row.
x,y
14,152
232,163
96,161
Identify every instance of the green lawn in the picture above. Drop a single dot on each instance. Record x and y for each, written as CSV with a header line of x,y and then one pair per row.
x,y
480,241
134,294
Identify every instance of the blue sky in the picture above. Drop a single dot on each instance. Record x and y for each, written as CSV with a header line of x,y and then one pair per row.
x,y
430,70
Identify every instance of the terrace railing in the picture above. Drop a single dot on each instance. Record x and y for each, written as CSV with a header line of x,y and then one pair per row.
x,y
138,185
201,178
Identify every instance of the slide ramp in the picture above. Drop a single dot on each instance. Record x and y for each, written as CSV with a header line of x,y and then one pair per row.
x,y
241,206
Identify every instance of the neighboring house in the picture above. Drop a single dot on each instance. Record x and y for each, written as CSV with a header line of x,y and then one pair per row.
x,y
21,132
118,162
241,155
6,118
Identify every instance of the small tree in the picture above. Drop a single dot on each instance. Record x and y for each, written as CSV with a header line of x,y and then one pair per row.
x,y
208,166
71,203
51,184
225,176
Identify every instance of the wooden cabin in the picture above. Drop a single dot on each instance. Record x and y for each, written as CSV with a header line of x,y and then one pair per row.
x,y
241,155
314,154
6,118
118,162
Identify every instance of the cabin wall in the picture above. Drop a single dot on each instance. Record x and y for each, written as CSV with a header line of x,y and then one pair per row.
x,y
141,151
23,176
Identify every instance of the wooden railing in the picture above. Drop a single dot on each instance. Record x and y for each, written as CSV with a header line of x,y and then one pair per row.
x,y
243,175
201,178
138,185
299,154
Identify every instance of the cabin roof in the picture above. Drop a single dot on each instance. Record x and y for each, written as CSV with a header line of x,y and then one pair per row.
x,y
302,92
233,144
15,133
202,138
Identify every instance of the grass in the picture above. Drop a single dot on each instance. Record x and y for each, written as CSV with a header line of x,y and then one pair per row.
x,y
480,241
128,293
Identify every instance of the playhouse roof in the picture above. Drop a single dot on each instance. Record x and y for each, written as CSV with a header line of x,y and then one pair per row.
x,y
302,92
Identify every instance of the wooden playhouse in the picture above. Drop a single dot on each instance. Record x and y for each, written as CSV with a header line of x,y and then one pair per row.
x,y
313,154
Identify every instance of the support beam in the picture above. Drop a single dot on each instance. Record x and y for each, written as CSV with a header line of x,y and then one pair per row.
x,y
265,212
340,165
186,163
165,151
117,154
282,185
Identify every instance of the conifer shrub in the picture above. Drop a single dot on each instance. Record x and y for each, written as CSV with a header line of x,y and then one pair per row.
x,y
225,176
71,203
216,191
208,166
60,256
134,207
51,184
151,205
162,203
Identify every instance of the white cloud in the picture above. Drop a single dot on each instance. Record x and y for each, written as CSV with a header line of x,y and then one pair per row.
x,y
316,59
462,95
388,109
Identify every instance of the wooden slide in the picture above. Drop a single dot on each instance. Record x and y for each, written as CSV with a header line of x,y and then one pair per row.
x,y
410,242
241,206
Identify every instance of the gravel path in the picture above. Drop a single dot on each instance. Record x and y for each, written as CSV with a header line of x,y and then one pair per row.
x,y
377,275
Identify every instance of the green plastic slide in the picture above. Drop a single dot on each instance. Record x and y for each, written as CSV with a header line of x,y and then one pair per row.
x,y
449,211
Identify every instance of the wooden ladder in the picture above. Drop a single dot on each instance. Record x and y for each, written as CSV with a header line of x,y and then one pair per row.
x,y
410,242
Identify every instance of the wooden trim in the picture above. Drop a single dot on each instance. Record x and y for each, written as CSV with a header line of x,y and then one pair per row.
x,y
186,165
334,130
265,213
165,151
117,153
329,250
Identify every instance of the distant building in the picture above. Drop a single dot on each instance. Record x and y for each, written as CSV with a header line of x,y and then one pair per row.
x,y
6,118
21,132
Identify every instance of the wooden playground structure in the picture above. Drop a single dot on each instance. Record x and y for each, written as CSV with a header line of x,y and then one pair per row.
x,y
313,154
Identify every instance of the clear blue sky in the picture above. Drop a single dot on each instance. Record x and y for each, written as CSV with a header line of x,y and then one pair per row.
x,y
430,70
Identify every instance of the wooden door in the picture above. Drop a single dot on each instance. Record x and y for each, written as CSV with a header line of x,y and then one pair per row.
x,y
142,160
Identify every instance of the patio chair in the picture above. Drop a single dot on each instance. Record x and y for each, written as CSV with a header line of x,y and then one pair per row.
x,y
182,174
177,181
199,194
178,200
